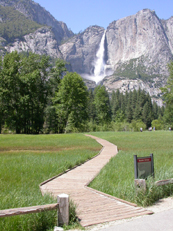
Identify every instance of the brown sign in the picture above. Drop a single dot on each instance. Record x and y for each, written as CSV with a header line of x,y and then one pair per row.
x,y
144,166
144,159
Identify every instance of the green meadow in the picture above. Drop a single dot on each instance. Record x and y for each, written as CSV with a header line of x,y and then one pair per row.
x,y
28,160
117,177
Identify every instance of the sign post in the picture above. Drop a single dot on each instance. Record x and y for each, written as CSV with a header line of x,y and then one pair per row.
x,y
144,166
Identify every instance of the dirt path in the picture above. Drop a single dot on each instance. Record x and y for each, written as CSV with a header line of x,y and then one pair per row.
x,y
93,207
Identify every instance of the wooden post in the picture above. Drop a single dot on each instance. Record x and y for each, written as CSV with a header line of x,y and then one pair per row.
x,y
63,209
152,165
140,185
136,166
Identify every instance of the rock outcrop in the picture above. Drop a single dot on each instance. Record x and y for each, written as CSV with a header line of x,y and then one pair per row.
x,y
81,50
41,42
137,48
139,36
141,43
168,27
38,14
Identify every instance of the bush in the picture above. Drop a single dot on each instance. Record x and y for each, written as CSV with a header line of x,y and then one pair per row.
x,y
136,125
91,126
6,130
158,124
122,126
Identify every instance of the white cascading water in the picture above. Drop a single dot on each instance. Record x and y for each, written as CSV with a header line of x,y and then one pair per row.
x,y
99,70
99,63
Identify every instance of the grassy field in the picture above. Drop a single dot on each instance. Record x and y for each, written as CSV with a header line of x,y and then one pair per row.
x,y
28,160
117,177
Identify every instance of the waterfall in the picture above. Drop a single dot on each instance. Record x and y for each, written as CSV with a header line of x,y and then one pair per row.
x,y
99,69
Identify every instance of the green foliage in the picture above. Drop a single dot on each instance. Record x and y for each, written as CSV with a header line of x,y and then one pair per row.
x,y
168,97
73,219
38,98
154,193
72,102
121,126
102,104
158,124
51,119
14,24
136,125
91,109
24,91
134,106
57,74
9,89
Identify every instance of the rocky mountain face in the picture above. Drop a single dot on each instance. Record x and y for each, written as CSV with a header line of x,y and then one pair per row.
x,y
168,27
43,41
81,50
38,14
135,51
141,38
139,47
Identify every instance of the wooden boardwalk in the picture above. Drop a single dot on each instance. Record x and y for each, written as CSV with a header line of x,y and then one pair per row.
x,y
93,207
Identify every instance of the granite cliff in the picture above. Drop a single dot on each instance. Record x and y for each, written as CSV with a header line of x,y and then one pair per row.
x,y
46,39
81,50
139,47
42,41
35,12
135,51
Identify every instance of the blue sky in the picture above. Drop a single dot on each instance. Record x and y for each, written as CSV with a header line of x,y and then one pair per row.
x,y
80,14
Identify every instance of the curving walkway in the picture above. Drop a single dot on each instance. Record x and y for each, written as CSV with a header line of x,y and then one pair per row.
x,y
93,207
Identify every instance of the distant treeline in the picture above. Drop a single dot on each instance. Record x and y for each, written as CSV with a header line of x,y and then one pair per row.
x,y
36,97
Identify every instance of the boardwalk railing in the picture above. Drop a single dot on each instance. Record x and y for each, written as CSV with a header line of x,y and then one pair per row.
x,y
27,210
164,182
62,207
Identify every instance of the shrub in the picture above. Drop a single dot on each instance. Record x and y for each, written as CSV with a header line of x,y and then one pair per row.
x,y
158,124
136,125
122,126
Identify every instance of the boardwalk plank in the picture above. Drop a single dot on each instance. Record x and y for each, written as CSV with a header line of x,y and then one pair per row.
x,y
92,207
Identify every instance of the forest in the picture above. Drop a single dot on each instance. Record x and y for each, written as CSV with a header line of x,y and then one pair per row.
x,y
39,97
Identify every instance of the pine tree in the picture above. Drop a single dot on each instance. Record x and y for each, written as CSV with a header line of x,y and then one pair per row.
x,y
115,103
155,111
137,113
147,114
102,104
129,113
91,106
72,99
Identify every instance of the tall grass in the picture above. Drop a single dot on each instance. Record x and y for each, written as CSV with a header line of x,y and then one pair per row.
x,y
28,160
117,177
